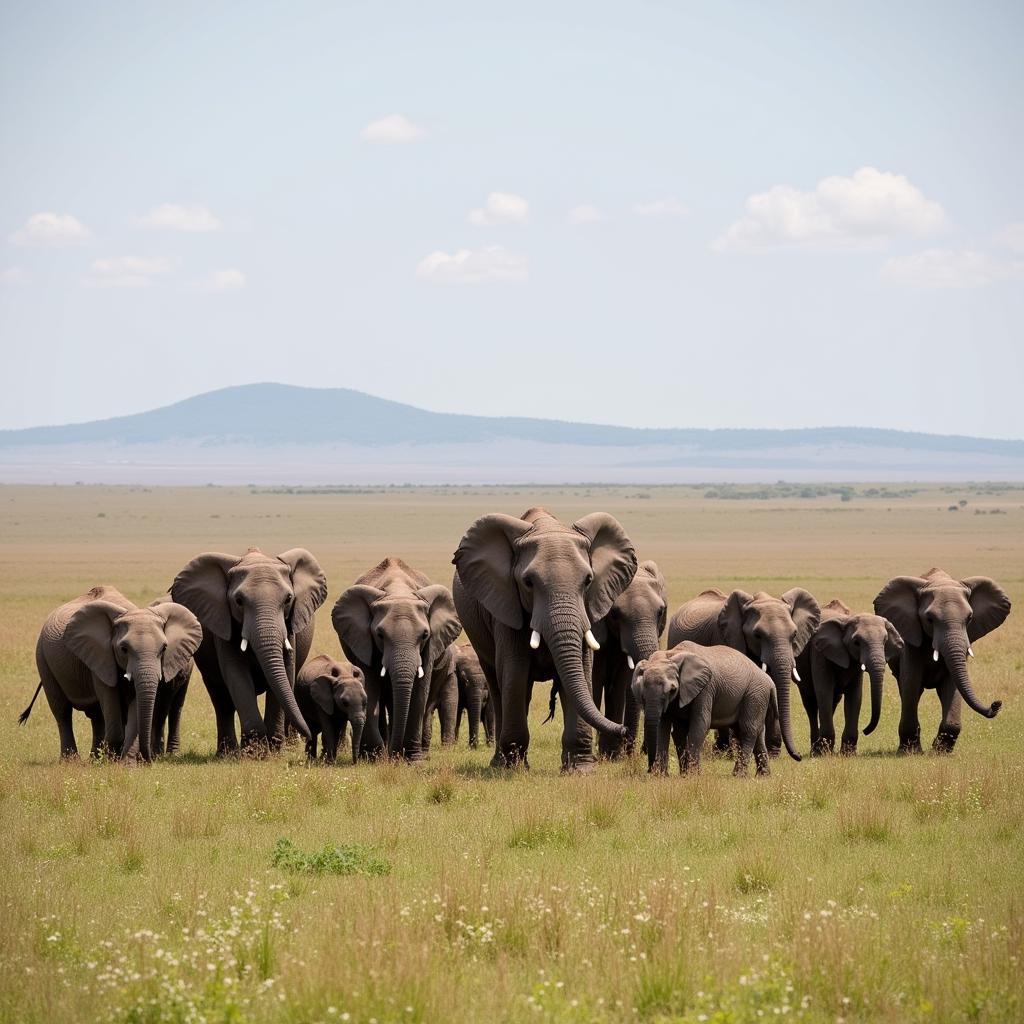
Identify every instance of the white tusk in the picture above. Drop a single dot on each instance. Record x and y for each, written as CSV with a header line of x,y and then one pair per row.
x,y
287,644
419,672
863,667
764,666
935,655
970,652
796,675
534,640
383,671
630,662
245,645
592,640
128,676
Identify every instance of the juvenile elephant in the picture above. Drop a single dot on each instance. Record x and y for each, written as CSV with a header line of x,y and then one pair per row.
x,y
102,655
396,626
690,689
257,616
170,699
331,696
444,699
832,667
939,618
628,634
474,697
771,631
528,592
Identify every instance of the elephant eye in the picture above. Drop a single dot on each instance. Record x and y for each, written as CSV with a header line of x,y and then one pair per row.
x,y
238,599
163,650
589,579
425,637
528,582
124,648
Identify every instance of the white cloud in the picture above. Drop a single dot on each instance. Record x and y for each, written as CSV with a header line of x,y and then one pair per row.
x,y
176,217
585,215
222,281
51,230
127,271
13,276
393,128
492,264
1011,237
950,268
863,211
500,208
661,208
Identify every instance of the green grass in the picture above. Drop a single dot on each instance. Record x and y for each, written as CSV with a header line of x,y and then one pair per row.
x,y
870,888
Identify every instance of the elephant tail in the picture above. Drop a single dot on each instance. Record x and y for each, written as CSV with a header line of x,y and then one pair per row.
x,y
553,703
23,717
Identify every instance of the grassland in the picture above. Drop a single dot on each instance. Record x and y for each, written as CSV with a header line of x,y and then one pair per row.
x,y
876,888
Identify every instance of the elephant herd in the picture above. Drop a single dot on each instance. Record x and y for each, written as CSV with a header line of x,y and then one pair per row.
x,y
539,600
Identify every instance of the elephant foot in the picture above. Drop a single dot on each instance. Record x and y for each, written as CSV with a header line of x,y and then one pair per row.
x,y
910,747
255,745
822,747
775,751
848,749
762,768
578,767
945,742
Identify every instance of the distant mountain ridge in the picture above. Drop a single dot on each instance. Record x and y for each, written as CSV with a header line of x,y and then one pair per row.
x,y
280,414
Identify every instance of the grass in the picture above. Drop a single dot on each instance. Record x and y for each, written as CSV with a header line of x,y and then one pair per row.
x,y
872,888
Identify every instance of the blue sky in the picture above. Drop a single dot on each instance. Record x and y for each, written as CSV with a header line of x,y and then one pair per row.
x,y
720,214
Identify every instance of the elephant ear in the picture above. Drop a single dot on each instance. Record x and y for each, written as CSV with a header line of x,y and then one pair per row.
x,y
444,620
828,641
989,604
637,683
183,634
897,601
893,641
309,585
806,614
653,574
202,587
694,675
484,562
612,559
323,694
730,620
351,616
89,636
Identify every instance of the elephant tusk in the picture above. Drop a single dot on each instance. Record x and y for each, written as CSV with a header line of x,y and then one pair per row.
x,y
128,676
287,644
591,640
970,652
796,676
935,654
419,672
630,662
534,640
383,671
863,667
764,666
245,645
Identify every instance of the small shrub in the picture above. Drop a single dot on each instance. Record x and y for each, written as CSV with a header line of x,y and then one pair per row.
x,y
347,859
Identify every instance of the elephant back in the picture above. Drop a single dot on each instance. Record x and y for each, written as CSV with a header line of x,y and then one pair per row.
x,y
697,620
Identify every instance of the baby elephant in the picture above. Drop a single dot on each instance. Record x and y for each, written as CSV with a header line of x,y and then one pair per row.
x,y
474,696
331,695
690,689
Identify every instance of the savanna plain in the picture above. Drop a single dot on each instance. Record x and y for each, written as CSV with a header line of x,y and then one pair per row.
x,y
875,888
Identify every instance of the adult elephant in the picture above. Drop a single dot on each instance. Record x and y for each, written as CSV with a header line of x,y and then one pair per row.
x,y
939,618
102,655
257,616
832,667
770,631
528,591
397,627
628,634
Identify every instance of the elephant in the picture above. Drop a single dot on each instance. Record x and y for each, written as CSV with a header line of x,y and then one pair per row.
x,y
832,666
170,699
257,616
771,631
628,634
444,699
528,592
331,696
474,697
102,655
690,689
397,626
947,615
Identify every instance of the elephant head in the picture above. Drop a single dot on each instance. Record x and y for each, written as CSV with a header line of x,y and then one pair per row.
x,y
947,615
535,574
145,646
259,601
868,640
339,689
637,617
400,635
771,631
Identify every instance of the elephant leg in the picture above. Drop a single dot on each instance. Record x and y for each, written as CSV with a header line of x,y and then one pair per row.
x,y
700,723
823,692
616,685
223,709
851,717
177,702
511,705
237,676
330,738
113,721
577,741
130,746
372,744
448,710
949,728
762,766
810,703
311,744
488,716
749,723
160,712
273,721
61,709
428,728
96,721
631,720
679,741
910,697
416,723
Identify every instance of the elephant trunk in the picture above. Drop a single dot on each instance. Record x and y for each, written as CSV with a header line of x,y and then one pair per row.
x,y
781,664
644,644
268,644
876,672
564,635
357,737
146,680
953,648
652,720
401,666
474,701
